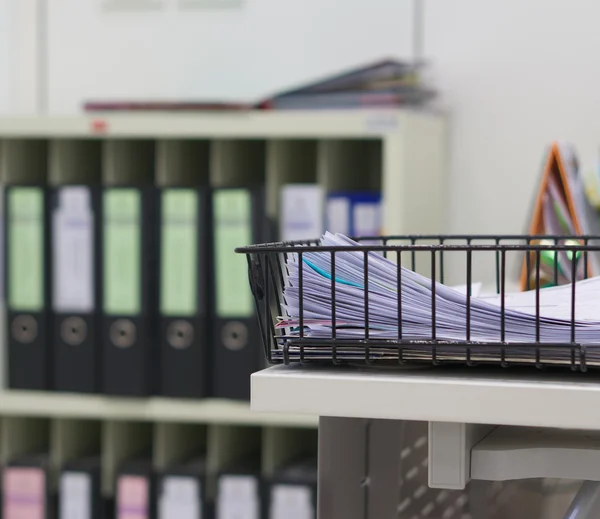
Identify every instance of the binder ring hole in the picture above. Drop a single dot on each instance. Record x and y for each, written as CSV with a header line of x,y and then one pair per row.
x,y
73,331
234,335
122,333
180,334
24,329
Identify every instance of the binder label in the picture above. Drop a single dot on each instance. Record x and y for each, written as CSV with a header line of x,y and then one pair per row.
x,y
233,228
122,251
180,498
366,218
75,496
179,253
26,248
291,502
24,493
302,212
73,251
238,497
133,497
338,215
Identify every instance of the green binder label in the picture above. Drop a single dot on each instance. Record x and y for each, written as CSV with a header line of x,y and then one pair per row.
x,y
233,228
26,248
179,253
122,251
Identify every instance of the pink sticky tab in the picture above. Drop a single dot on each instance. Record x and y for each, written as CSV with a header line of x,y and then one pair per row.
x,y
24,493
132,497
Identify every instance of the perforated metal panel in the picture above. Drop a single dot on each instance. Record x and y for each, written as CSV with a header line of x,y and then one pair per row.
x,y
377,469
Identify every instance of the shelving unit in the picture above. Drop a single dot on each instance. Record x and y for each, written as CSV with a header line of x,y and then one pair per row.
x,y
408,157
400,152
154,409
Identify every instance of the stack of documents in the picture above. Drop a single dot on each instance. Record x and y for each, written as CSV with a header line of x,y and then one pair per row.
x,y
387,83
418,298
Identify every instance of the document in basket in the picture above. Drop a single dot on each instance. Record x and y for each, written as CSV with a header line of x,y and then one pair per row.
x,y
416,296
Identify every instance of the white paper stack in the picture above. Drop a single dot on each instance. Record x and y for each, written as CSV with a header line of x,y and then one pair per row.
x,y
520,315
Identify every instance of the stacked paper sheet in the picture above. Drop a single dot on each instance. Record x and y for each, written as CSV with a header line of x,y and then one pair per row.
x,y
451,304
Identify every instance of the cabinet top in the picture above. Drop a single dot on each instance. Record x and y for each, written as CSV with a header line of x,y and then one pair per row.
x,y
250,124
525,397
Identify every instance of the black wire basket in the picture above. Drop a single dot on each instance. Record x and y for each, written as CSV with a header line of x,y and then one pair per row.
x,y
268,267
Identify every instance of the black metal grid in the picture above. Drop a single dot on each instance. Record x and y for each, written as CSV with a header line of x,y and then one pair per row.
x,y
267,266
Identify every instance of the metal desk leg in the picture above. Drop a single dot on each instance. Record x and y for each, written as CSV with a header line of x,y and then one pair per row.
x,y
342,468
377,469
586,504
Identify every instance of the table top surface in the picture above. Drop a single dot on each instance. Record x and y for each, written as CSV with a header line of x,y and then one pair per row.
x,y
487,395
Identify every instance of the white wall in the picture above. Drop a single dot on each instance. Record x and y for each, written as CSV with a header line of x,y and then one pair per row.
x,y
21,86
4,57
517,75
240,53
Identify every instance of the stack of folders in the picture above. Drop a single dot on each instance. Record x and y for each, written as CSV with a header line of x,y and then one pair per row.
x,y
387,83
291,492
140,491
131,290
307,210
28,491
561,208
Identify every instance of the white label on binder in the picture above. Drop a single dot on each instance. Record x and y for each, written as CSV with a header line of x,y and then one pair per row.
x,y
75,496
302,212
238,498
180,498
73,251
367,219
291,502
338,215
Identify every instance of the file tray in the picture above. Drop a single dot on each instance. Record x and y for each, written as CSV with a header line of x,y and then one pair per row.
x,y
421,333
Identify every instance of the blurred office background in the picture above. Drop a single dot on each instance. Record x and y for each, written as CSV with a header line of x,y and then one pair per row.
x,y
511,75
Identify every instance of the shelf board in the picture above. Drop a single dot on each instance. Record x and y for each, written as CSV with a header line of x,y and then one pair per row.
x,y
153,409
525,397
253,124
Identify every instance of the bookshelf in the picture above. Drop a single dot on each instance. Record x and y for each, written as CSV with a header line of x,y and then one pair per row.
x,y
403,154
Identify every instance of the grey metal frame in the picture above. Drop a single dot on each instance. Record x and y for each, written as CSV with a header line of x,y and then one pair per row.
x,y
377,469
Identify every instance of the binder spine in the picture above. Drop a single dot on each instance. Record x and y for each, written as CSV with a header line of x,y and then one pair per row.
x,y
25,492
79,494
27,282
135,493
181,495
237,352
76,308
129,292
239,495
183,291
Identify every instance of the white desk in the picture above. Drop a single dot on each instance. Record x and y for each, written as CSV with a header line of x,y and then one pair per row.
x,y
481,421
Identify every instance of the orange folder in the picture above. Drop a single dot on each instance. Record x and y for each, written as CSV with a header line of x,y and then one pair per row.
x,y
555,166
